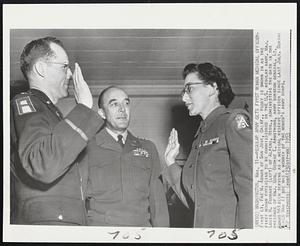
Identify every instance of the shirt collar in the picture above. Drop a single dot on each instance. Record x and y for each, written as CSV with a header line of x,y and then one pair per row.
x,y
210,118
115,135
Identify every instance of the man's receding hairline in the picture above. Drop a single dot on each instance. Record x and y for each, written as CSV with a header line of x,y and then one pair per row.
x,y
57,46
114,88
106,90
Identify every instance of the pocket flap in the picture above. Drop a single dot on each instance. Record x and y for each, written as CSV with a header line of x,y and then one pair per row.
x,y
60,209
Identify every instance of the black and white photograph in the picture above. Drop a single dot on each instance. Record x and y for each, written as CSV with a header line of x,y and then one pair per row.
x,y
146,131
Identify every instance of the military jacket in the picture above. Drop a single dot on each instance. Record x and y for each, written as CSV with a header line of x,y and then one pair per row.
x,y
217,176
123,187
46,182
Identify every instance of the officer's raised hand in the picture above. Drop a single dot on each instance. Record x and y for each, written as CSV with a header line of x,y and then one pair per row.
x,y
81,90
172,149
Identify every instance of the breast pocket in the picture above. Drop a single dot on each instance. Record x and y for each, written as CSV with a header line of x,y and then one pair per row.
x,y
105,176
141,173
214,160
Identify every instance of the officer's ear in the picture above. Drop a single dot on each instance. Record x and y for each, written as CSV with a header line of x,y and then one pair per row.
x,y
214,89
102,113
40,68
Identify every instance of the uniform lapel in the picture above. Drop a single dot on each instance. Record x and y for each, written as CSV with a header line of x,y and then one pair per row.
x,y
211,117
199,129
131,143
106,141
45,99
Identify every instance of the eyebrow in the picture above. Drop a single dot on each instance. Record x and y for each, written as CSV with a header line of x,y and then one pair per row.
x,y
114,100
194,83
111,100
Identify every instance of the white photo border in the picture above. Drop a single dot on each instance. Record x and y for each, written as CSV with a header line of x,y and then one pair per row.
x,y
263,16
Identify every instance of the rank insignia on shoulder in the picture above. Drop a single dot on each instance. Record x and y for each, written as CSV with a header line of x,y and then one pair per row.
x,y
24,105
241,121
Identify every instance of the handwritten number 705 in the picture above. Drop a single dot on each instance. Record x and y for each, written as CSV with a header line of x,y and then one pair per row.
x,y
223,234
125,236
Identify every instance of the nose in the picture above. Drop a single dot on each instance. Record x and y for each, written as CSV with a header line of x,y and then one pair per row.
x,y
69,73
121,108
184,97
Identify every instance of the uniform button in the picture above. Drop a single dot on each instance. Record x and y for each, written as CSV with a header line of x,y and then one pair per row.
x,y
48,102
196,147
60,217
192,186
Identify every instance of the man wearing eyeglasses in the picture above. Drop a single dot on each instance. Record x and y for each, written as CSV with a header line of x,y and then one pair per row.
x,y
216,180
46,180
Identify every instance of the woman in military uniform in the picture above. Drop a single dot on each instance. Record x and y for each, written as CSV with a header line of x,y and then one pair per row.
x,y
216,180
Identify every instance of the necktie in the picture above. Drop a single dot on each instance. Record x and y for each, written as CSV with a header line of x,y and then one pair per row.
x,y
120,140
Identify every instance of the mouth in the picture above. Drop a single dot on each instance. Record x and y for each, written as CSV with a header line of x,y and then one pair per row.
x,y
122,118
188,105
67,82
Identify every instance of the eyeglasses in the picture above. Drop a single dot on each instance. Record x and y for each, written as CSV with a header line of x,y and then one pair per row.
x,y
65,66
188,88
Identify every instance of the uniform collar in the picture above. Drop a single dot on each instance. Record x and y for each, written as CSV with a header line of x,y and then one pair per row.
x,y
107,141
41,95
115,135
210,118
45,99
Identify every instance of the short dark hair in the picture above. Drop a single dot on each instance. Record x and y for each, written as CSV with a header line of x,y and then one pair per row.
x,y
101,96
36,49
210,74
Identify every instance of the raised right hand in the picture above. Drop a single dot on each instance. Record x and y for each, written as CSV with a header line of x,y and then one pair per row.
x,y
82,92
172,149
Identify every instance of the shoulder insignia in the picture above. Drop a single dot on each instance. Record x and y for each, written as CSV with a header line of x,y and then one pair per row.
x,y
24,105
241,121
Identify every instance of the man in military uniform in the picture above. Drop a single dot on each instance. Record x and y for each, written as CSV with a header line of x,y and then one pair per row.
x,y
216,180
124,188
45,177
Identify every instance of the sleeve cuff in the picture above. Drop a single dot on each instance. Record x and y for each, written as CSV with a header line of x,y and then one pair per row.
x,y
85,119
172,173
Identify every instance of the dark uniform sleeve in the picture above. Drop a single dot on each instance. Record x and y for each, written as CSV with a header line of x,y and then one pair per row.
x,y
239,142
47,149
172,174
158,202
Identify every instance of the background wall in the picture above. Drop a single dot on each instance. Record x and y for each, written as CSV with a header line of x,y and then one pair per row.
x,y
147,64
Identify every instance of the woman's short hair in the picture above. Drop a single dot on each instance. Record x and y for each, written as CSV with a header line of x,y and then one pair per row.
x,y
212,74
